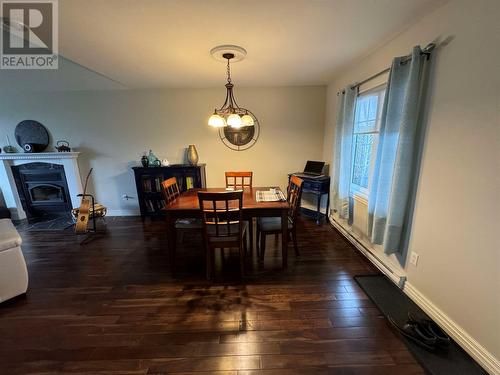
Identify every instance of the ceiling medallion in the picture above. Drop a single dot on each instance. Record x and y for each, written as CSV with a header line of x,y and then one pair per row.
x,y
238,127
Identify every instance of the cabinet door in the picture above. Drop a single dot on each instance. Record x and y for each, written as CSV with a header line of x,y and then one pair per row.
x,y
192,177
187,177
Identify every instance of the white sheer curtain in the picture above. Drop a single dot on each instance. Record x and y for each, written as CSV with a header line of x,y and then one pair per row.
x,y
342,161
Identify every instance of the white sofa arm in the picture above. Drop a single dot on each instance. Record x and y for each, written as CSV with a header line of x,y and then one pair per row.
x,y
9,238
13,271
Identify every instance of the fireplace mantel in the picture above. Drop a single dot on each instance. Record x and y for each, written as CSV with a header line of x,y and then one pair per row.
x,y
39,155
69,160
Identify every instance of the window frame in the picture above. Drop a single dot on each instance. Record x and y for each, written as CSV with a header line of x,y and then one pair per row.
x,y
356,189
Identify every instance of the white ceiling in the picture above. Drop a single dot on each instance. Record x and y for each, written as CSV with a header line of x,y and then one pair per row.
x,y
166,43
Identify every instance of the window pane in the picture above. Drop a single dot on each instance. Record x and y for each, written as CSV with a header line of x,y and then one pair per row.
x,y
362,155
366,125
372,107
366,113
362,109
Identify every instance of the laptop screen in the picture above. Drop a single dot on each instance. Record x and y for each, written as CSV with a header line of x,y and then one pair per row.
x,y
314,167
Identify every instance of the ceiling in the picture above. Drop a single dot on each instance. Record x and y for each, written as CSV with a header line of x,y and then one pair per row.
x,y
166,43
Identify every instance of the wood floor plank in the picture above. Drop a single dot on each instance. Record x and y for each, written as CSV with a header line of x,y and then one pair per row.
x,y
204,364
117,306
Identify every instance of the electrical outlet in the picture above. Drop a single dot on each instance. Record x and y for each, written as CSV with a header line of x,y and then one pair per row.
x,y
414,258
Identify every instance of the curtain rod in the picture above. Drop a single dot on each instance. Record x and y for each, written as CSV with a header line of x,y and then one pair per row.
x,y
426,51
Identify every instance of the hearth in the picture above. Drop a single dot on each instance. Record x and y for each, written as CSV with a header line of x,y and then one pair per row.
x,y
43,189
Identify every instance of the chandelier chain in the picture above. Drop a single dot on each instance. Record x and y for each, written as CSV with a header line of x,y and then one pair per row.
x,y
228,72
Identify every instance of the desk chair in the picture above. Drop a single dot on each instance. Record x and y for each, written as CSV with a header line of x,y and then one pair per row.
x,y
272,225
223,225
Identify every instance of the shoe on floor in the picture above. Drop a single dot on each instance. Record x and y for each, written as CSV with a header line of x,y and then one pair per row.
x,y
416,334
430,326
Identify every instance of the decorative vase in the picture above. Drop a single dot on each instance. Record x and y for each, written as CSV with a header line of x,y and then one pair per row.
x,y
153,160
145,161
192,155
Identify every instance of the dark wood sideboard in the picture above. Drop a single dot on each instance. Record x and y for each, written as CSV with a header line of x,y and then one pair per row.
x,y
148,183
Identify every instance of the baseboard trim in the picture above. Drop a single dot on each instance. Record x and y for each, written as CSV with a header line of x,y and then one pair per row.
x,y
123,213
466,341
397,279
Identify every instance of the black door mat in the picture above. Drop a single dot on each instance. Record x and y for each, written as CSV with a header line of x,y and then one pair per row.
x,y
391,301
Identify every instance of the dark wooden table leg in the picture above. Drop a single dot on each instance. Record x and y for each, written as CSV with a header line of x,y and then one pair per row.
x,y
250,234
171,240
284,237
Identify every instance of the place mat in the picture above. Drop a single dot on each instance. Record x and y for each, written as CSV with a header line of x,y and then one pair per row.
x,y
273,195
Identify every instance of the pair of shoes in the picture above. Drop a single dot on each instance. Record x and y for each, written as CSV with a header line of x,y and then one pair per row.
x,y
413,332
425,333
442,339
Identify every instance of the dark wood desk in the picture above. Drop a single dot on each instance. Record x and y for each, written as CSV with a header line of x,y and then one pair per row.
x,y
318,186
187,206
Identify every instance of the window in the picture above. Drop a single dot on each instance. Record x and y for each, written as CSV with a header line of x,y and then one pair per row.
x,y
365,138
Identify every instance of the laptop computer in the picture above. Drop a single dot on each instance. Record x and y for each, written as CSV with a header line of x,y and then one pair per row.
x,y
313,168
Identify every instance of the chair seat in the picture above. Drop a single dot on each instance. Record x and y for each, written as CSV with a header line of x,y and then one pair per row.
x,y
271,224
223,232
189,223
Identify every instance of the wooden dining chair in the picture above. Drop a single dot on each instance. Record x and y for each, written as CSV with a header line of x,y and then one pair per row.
x,y
272,225
223,226
171,191
239,180
242,180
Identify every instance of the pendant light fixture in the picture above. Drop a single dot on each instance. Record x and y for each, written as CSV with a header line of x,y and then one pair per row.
x,y
230,114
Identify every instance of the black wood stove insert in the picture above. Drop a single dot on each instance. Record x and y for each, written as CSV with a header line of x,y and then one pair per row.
x,y
42,188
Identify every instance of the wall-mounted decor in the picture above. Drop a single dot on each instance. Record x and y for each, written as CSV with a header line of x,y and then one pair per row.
x,y
239,129
240,139
33,134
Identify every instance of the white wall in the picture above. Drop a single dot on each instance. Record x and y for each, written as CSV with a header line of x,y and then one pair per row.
x,y
456,219
113,128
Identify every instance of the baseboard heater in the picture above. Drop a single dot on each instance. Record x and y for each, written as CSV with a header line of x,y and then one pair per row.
x,y
396,278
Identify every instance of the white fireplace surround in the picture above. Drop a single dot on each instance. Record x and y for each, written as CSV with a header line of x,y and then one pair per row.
x,y
8,186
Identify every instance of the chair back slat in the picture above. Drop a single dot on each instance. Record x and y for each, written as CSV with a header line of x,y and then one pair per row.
x,y
221,213
294,193
239,180
170,189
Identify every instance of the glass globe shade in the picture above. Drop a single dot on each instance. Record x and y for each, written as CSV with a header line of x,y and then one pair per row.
x,y
216,121
247,120
234,121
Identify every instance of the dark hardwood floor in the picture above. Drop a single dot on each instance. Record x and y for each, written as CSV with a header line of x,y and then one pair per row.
x,y
115,306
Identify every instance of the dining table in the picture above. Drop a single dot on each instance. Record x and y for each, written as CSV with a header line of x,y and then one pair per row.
x,y
187,206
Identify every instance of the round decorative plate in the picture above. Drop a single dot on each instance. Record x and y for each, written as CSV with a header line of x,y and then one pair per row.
x,y
240,139
34,133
